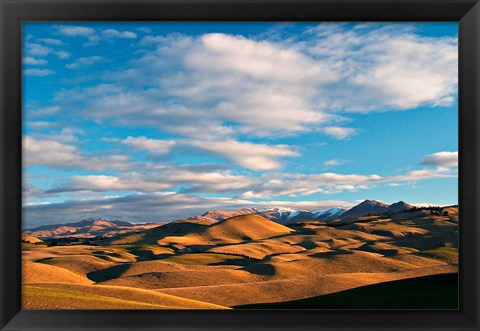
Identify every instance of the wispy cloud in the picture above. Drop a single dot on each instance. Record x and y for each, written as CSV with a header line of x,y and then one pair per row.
x,y
51,41
38,72
61,155
74,31
83,62
41,125
34,49
441,159
154,147
338,132
62,55
93,36
158,178
33,61
280,87
248,155
334,162
112,33
43,111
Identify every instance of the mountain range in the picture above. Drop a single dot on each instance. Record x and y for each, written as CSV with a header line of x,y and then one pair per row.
x,y
87,228
98,227
291,216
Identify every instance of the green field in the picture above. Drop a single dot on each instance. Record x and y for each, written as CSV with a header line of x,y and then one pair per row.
x,y
429,292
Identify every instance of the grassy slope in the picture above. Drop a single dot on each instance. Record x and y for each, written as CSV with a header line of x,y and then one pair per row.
x,y
429,292
75,296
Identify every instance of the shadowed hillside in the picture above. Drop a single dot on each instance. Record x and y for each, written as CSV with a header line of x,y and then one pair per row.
x,y
429,292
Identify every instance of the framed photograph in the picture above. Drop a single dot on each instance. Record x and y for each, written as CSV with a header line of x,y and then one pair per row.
x,y
240,165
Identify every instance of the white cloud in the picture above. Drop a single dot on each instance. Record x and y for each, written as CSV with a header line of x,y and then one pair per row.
x,y
62,55
144,30
334,162
38,72
41,125
111,183
60,155
154,147
33,61
33,49
331,183
249,155
74,31
161,177
112,33
339,132
51,41
387,68
83,62
206,180
441,159
44,111
232,85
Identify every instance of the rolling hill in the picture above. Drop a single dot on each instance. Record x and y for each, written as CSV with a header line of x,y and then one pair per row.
x,y
248,259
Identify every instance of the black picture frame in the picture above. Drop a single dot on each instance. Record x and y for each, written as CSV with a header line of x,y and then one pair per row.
x,y
13,12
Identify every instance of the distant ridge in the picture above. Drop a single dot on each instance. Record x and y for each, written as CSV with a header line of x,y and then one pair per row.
x,y
366,207
93,227
399,206
288,216
82,223
87,228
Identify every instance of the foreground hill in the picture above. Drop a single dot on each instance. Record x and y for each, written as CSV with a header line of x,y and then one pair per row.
x,y
428,292
27,239
232,230
74,296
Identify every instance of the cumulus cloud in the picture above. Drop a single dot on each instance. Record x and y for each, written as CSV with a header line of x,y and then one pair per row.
x,y
83,62
38,72
189,179
112,33
334,162
51,41
62,55
44,111
272,88
144,30
441,159
154,147
92,35
34,61
160,178
248,155
339,132
41,125
331,183
74,31
33,49
61,155
396,68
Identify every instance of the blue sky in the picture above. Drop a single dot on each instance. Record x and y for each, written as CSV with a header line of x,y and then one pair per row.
x,y
159,121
